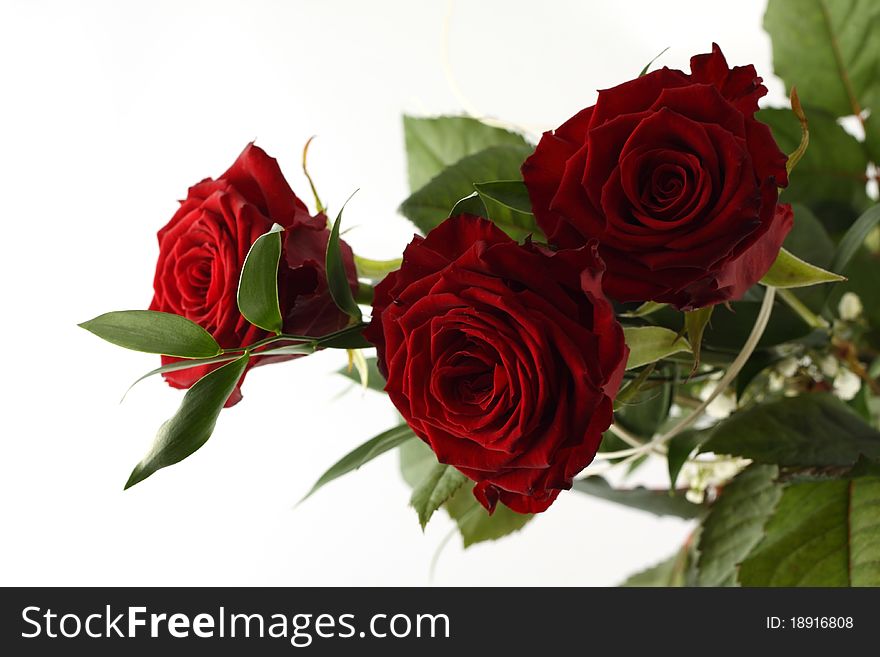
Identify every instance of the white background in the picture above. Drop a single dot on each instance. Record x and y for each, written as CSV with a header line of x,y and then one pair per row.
x,y
109,111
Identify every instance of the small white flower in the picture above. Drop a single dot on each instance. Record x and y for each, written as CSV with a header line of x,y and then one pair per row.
x,y
787,367
721,407
695,496
846,385
775,382
850,307
829,366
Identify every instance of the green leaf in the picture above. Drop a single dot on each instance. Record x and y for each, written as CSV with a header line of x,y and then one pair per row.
x,y
440,484
854,238
679,448
154,332
432,144
375,380
648,344
790,271
337,279
735,524
375,270
431,204
811,430
656,57
472,205
646,409
658,502
668,573
385,441
351,338
823,533
474,522
511,194
182,365
831,170
645,309
695,322
194,421
829,50
258,286
731,327
416,462
507,205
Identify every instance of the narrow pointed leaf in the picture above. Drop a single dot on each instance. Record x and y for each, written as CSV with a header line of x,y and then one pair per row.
x,y
648,344
182,365
154,332
258,286
854,238
658,502
645,309
790,271
648,65
194,421
695,322
375,380
385,441
375,270
337,279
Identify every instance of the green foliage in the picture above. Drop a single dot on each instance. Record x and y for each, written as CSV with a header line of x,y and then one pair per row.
x,y
646,409
432,144
375,380
431,204
258,286
154,332
829,50
385,441
695,322
832,170
438,486
680,448
648,344
417,462
337,279
823,533
735,524
658,502
474,522
671,572
194,421
814,430
790,271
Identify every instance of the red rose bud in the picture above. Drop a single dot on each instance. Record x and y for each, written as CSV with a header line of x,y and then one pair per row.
x,y
504,358
675,178
203,247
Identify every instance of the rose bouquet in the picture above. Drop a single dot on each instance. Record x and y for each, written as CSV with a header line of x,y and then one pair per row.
x,y
671,273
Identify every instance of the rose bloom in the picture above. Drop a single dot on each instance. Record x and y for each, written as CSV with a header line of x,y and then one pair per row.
x,y
675,178
503,357
203,247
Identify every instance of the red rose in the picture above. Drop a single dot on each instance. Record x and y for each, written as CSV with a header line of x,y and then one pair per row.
x,y
675,178
504,358
203,247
